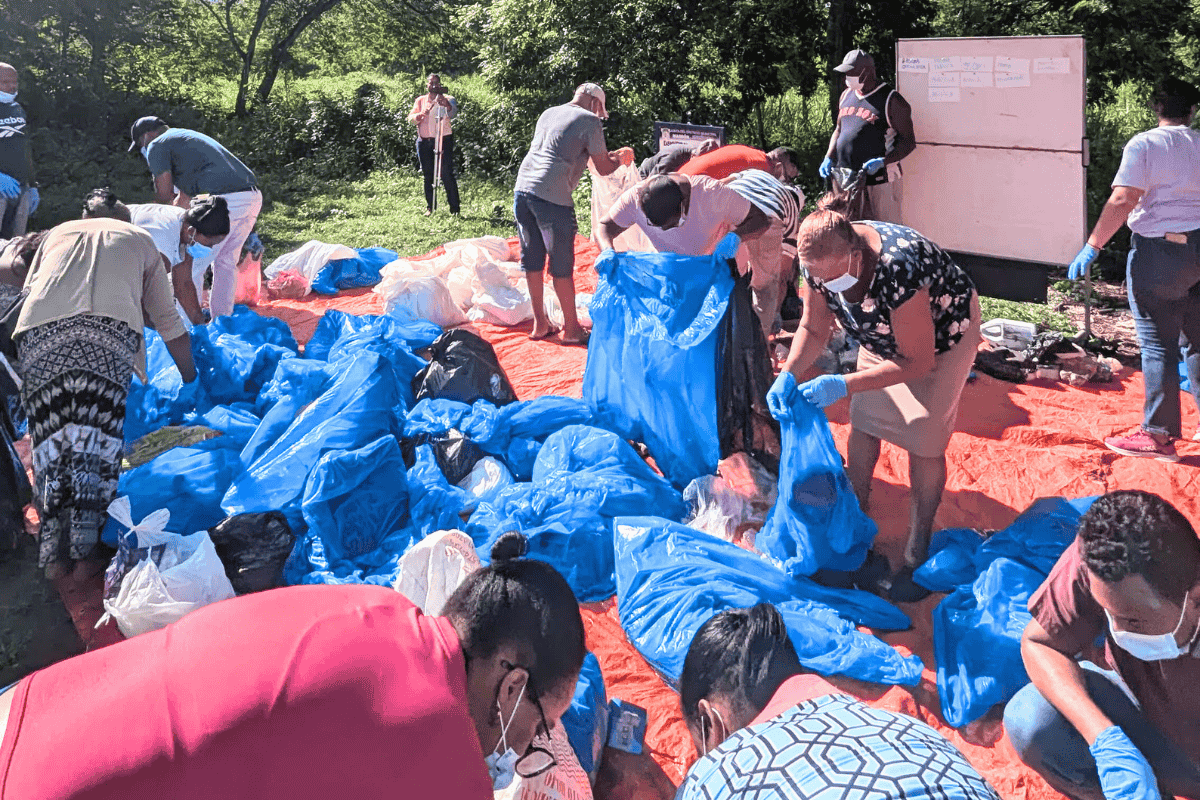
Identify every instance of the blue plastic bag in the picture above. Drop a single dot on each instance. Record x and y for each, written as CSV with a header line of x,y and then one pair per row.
x,y
188,482
159,400
353,273
435,417
583,477
651,370
382,335
356,409
977,629
237,354
336,324
952,560
816,522
434,504
672,578
586,721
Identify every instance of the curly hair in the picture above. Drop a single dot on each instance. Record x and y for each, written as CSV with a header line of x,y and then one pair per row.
x,y
1138,533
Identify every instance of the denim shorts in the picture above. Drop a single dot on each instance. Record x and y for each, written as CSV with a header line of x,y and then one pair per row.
x,y
545,229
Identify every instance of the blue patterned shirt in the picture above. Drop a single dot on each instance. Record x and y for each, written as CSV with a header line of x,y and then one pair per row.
x,y
835,748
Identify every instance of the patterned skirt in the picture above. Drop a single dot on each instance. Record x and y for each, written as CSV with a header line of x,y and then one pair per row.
x,y
76,374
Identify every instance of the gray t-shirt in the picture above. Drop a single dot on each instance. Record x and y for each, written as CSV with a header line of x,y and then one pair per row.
x,y
566,136
198,164
1165,164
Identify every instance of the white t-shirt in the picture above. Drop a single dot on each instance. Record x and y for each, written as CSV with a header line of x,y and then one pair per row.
x,y
713,211
1165,164
163,223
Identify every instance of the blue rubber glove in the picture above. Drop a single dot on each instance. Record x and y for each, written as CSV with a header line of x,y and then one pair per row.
x,y
1124,772
10,187
254,244
826,167
35,199
824,390
1086,256
873,165
781,395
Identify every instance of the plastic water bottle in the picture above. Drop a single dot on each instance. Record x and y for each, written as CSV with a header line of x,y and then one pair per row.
x,y
1009,333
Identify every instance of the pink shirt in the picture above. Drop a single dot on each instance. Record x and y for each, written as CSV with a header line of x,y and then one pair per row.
x,y
307,692
794,691
713,211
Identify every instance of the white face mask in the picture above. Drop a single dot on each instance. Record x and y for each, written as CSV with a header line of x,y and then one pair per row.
x,y
855,83
503,766
1150,647
843,282
7,97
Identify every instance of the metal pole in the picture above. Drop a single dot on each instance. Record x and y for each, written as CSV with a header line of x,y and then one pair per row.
x,y
439,114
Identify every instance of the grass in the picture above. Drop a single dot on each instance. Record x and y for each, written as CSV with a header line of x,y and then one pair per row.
x,y
1039,313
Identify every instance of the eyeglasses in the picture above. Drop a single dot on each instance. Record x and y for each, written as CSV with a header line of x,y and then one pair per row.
x,y
536,759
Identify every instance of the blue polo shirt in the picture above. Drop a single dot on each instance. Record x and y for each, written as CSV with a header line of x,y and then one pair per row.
x,y
198,164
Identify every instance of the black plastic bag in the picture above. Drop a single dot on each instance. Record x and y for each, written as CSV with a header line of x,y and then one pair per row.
x,y
253,548
744,423
455,453
463,367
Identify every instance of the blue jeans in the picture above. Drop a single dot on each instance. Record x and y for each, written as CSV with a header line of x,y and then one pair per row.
x,y
545,228
1050,745
1164,297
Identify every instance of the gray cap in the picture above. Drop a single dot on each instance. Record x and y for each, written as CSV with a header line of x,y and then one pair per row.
x,y
855,59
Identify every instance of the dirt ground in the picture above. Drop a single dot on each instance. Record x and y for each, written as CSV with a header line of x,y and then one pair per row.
x,y
36,630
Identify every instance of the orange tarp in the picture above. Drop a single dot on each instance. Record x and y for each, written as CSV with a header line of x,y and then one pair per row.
x,y
1015,443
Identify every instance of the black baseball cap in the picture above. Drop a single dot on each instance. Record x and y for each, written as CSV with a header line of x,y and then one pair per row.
x,y
855,59
142,126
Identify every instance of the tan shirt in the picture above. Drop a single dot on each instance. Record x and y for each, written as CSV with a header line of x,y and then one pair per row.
x,y
103,267
426,128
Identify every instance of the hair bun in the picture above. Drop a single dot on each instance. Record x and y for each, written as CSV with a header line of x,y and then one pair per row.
x,y
510,545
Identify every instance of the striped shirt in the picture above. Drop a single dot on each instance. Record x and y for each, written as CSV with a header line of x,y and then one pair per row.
x,y
773,198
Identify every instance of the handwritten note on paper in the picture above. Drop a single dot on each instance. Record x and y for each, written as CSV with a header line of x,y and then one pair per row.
x,y
1009,64
944,94
944,79
976,79
1052,66
914,64
945,64
1011,80
976,64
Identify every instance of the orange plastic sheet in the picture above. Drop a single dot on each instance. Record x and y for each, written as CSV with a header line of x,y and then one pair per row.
x,y
1015,443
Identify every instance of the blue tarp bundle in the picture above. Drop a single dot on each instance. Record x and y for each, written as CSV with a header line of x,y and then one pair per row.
x,y
977,628
651,372
671,579
353,273
817,522
582,479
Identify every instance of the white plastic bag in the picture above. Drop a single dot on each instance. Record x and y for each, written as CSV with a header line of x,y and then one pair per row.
x,y
412,295
487,477
605,191
177,574
434,568
308,259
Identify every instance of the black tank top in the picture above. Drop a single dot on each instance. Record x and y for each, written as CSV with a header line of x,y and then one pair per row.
x,y
865,133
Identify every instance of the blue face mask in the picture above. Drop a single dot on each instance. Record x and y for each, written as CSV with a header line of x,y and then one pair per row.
x,y
198,251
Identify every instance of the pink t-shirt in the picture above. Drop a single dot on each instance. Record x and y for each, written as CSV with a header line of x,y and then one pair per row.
x,y
713,211
307,692
794,691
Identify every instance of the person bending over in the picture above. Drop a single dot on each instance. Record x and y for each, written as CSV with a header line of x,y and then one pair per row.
x,y
763,727
1132,575
725,161
310,693
916,315
567,137
681,214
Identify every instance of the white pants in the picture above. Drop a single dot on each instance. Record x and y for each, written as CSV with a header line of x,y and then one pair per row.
x,y
243,213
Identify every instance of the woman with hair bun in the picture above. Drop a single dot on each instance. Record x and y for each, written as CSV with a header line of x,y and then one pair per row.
x,y
184,235
765,728
915,315
311,693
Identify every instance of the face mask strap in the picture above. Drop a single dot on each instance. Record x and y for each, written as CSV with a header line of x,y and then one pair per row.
x,y
505,726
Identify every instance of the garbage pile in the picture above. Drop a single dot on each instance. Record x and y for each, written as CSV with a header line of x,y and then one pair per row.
x,y
1016,351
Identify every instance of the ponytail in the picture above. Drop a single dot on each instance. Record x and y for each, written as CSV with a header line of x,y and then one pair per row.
x,y
828,230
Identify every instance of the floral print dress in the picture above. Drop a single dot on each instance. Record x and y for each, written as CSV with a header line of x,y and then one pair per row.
x,y
907,264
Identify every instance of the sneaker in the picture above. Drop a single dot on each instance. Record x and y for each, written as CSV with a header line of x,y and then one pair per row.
x,y
1141,444
1196,436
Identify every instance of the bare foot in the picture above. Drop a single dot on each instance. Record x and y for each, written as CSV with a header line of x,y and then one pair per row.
x,y
542,332
574,336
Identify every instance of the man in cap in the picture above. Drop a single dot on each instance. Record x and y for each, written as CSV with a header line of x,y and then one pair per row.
x,y
874,132
567,137
18,192
187,163
722,162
